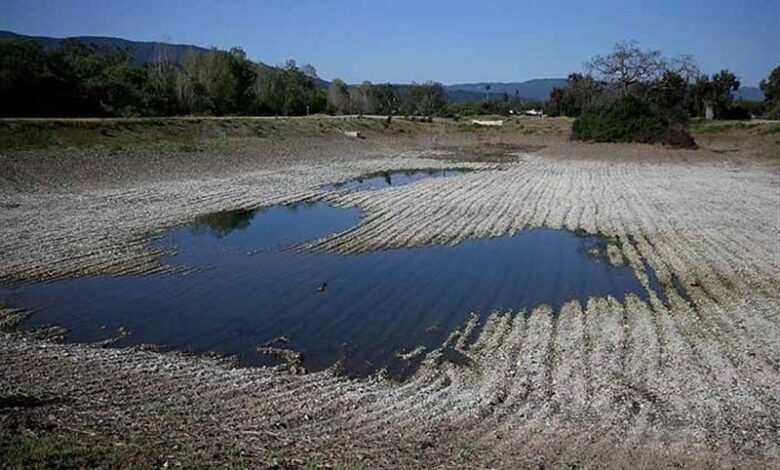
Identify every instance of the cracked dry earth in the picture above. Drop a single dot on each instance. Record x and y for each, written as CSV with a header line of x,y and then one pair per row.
x,y
601,383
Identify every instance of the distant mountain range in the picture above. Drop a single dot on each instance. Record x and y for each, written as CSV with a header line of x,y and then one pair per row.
x,y
142,52
147,52
749,93
538,89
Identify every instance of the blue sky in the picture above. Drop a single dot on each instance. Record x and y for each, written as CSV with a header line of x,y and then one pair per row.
x,y
449,41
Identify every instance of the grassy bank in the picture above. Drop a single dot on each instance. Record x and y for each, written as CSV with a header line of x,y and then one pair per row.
x,y
760,127
758,139
184,134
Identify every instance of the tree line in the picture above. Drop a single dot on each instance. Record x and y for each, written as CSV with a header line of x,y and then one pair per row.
x,y
78,79
638,95
425,100
674,84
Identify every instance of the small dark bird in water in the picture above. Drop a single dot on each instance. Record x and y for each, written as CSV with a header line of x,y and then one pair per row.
x,y
322,287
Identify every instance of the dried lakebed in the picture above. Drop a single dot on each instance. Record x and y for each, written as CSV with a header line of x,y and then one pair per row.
x,y
606,382
256,294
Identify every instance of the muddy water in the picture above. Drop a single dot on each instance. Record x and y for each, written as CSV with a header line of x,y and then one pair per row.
x,y
250,289
387,179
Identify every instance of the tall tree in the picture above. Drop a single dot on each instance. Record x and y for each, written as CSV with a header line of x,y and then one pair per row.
x,y
724,84
245,75
385,99
23,71
668,96
771,89
159,91
360,98
338,97
208,84
581,92
627,66
426,99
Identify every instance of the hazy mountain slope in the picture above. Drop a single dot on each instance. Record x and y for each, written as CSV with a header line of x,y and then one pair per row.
x,y
538,89
142,52
749,93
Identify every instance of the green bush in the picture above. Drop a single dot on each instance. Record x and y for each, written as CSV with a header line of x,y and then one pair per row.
x,y
630,119
751,108
773,112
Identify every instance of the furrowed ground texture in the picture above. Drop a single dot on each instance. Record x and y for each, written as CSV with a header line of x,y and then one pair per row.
x,y
690,378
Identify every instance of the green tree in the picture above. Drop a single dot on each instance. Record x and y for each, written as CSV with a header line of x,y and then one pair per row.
x,y
159,91
289,90
385,100
771,89
295,85
97,81
24,73
244,74
668,97
207,84
720,97
581,92
427,99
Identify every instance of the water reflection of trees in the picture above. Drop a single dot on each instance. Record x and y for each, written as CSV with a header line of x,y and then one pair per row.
x,y
220,224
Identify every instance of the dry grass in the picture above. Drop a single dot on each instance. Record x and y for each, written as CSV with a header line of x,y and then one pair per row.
x,y
759,140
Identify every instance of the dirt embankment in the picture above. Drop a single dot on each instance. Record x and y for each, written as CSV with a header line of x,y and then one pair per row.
x,y
608,382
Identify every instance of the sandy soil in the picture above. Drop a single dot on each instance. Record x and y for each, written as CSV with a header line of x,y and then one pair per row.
x,y
602,383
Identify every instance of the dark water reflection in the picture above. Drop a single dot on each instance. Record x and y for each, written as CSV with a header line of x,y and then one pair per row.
x,y
249,291
385,179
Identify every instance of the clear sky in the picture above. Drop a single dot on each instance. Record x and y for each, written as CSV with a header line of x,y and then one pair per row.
x,y
449,41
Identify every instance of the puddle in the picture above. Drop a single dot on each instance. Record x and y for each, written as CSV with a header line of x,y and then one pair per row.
x,y
386,179
361,310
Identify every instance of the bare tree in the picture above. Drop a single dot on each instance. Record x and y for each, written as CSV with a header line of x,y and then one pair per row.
x,y
627,65
163,54
360,98
686,67
339,97
207,84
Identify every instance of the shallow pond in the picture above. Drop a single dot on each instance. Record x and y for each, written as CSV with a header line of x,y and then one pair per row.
x,y
249,289
385,179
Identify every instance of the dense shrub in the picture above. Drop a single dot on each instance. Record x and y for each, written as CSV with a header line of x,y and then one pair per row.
x,y
773,112
737,112
753,108
630,119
